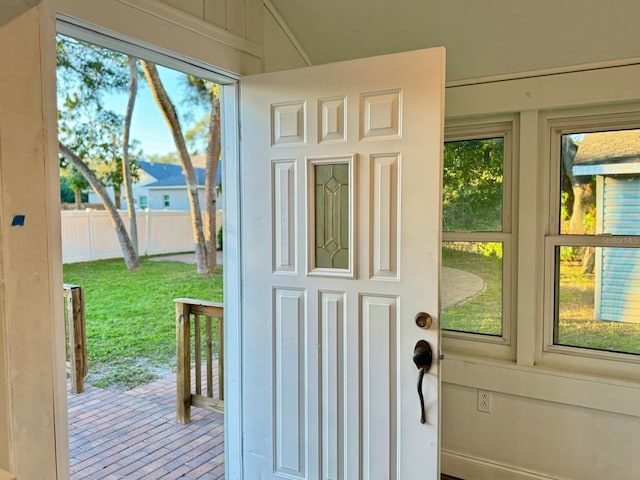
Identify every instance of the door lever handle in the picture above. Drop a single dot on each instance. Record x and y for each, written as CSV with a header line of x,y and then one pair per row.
x,y
423,358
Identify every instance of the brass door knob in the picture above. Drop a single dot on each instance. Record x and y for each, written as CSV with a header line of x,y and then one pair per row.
x,y
424,320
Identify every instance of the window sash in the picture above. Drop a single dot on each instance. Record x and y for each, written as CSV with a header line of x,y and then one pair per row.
x,y
574,357
476,343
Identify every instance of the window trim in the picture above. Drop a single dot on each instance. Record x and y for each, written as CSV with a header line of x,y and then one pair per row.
x,y
467,343
581,359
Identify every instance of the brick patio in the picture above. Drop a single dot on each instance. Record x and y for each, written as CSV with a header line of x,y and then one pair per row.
x,y
134,434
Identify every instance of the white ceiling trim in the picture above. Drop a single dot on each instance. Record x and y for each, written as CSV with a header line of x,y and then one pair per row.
x,y
545,72
206,29
287,31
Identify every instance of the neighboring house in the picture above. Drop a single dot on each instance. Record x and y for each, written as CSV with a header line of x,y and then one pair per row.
x,y
614,158
162,186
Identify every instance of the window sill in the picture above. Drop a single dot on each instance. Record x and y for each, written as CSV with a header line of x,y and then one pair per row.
x,y
544,383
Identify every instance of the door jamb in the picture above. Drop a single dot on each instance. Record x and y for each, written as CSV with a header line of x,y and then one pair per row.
x,y
232,251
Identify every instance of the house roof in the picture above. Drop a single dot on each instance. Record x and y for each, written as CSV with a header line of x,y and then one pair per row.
x,y
170,175
159,170
608,153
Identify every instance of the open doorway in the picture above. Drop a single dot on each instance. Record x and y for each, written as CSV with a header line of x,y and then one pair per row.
x,y
124,424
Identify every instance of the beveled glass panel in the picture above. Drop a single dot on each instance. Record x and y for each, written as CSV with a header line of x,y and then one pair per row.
x,y
331,182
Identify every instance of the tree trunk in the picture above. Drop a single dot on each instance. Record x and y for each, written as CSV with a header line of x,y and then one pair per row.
x,y
126,164
213,155
171,117
582,200
576,222
77,194
130,257
117,194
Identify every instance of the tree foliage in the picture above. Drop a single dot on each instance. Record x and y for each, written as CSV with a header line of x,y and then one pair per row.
x,y
89,132
472,185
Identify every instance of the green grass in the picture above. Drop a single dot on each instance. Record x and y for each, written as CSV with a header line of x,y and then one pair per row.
x,y
577,326
131,316
482,313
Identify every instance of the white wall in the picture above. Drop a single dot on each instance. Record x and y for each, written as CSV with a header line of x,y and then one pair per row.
x,y
553,416
32,385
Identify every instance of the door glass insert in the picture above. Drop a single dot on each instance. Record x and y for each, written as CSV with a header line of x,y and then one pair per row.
x,y
331,181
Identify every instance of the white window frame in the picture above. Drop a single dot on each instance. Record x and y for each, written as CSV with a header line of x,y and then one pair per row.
x,y
166,200
466,343
613,364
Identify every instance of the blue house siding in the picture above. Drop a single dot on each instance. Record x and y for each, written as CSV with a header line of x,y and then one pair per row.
x,y
617,296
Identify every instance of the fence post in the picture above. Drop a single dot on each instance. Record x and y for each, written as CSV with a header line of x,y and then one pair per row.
x,y
183,359
76,321
90,234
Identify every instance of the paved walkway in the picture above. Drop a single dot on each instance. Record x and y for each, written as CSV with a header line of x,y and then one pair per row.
x,y
134,434
458,286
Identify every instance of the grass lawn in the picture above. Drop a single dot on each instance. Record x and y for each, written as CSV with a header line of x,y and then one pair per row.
x,y
131,316
577,327
483,313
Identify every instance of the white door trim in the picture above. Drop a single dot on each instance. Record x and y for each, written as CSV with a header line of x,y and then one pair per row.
x,y
232,252
231,231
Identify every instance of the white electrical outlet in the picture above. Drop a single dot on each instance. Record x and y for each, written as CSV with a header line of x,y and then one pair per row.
x,y
484,401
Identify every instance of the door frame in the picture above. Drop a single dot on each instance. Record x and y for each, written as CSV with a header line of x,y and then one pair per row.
x,y
232,279
232,273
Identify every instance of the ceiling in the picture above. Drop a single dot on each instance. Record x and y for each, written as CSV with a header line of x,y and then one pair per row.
x,y
482,37
10,9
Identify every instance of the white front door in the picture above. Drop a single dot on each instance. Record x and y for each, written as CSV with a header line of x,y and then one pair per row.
x,y
340,199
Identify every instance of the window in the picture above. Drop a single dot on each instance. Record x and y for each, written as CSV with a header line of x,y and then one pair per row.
x,y
477,243
144,202
593,250
166,201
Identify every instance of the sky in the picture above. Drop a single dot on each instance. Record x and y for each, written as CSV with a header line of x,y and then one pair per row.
x,y
148,126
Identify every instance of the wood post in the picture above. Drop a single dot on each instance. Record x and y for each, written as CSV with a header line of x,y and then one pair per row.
x,y
198,309
221,358
183,358
77,331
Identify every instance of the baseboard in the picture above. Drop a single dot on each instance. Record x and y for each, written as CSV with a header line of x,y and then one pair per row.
x,y
474,468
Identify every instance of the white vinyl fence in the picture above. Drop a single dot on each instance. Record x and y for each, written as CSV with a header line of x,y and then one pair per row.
x,y
88,235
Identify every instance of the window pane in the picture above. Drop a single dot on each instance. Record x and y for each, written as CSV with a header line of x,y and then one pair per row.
x,y
472,287
598,298
600,170
472,185
332,215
